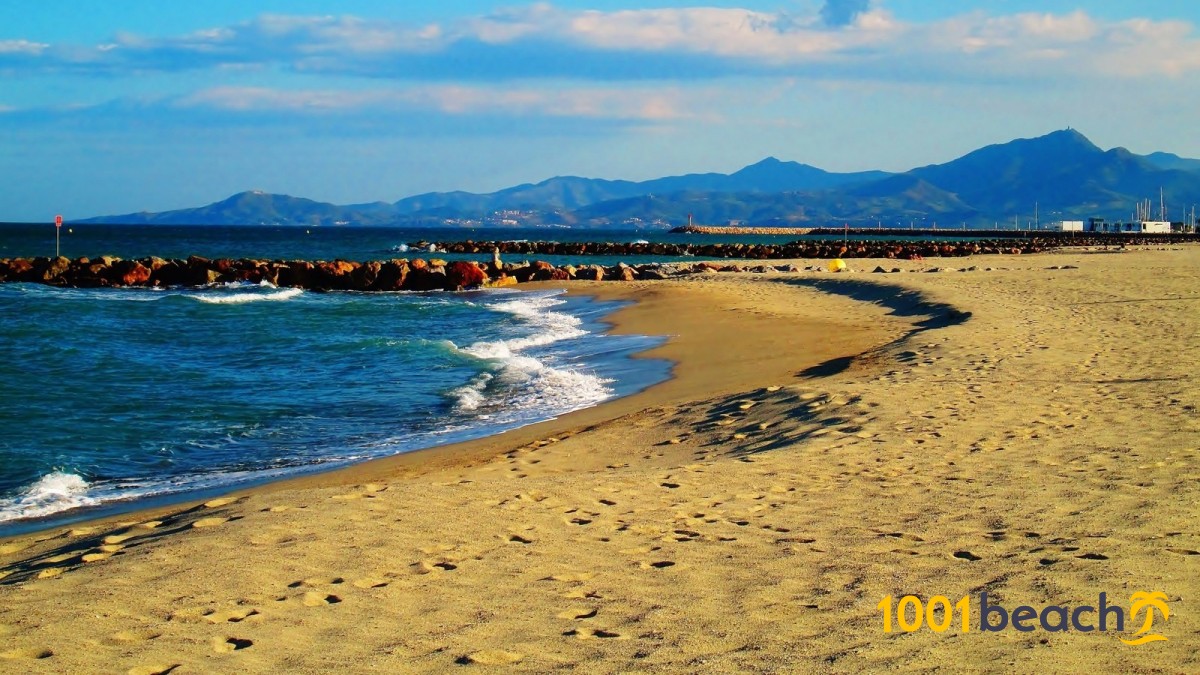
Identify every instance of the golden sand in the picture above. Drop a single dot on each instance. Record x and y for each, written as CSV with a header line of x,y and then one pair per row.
x,y
827,441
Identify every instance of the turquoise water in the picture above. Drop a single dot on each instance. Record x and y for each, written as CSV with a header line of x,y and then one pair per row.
x,y
113,399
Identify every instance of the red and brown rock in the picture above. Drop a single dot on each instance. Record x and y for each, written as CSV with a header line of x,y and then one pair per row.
x,y
131,273
392,275
464,274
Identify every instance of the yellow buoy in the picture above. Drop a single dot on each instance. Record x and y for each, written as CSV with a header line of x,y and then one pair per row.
x,y
837,265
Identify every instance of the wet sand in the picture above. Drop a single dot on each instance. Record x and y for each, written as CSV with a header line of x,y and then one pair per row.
x,y
827,440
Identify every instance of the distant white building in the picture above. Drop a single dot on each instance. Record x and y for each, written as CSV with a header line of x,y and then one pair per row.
x,y
1154,226
1069,226
1134,227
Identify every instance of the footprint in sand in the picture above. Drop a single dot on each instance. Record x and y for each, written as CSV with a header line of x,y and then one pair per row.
x,y
230,644
69,555
966,555
370,582
210,522
216,503
50,572
595,633
31,654
233,615
1184,551
318,599
490,657
190,614
902,535
127,637
317,581
426,567
578,613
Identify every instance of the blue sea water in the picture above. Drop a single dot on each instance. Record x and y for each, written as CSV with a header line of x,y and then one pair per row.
x,y
113,399
298,243
328,243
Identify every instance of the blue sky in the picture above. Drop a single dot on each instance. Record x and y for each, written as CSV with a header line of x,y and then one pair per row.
x,y
112,107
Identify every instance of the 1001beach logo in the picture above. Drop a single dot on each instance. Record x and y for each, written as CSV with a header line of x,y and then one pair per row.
x,y
939,615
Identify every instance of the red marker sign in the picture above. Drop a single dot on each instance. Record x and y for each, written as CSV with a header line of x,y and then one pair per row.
x,y
58,221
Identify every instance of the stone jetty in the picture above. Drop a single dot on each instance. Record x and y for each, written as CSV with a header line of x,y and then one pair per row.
x,y
806,249
434,274
339,275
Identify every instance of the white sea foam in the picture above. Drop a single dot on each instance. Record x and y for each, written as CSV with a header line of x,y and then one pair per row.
x,y
242,298
550,327
54,492
469,397
522,382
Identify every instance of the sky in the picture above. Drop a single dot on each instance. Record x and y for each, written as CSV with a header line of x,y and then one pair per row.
x,y
117,107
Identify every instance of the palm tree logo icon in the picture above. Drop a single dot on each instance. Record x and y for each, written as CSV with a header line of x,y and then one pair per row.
x,y
1150,602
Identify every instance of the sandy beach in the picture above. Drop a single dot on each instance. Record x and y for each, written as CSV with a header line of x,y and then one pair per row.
x,y
1025,428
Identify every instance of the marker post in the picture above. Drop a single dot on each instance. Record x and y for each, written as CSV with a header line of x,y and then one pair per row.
x,y
57,231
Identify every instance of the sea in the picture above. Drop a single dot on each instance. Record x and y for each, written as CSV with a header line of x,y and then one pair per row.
x,y
117,399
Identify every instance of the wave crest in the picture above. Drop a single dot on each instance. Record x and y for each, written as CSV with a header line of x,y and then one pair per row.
x,y
54,492
242,298
522,382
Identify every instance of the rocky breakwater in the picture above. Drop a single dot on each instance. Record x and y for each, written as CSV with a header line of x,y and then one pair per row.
x,y
815,249
339,275
385,275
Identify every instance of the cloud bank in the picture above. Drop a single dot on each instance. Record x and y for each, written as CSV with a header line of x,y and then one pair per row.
x,y
847,39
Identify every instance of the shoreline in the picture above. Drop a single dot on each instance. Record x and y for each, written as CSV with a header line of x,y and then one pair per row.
x,y
124,508
629,319
1027,431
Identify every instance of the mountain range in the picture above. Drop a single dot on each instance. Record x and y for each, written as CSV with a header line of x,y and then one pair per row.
x,y
1062,175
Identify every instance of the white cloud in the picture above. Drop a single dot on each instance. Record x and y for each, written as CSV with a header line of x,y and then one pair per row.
x,y
22,47
849,39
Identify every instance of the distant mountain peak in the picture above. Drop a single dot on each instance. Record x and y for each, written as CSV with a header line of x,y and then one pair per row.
x,y
1061,172
1069,135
